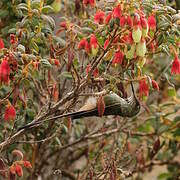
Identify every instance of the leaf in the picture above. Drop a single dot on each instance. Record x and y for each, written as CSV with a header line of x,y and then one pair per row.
x,y
47,9
164,176
101,106
156,145
87,30
22,6
67,75
171,92
49,20
45,63
61,41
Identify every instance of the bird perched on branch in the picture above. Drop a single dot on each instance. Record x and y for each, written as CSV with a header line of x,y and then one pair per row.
x,y
113,105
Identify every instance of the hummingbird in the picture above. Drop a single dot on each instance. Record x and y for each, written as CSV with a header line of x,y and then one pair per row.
x,y
114,105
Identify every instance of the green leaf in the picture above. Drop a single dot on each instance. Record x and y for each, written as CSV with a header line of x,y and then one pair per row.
x,y
47,9
12,31
164,176
87,30
171,92
49,20
3,13
22,6
61,41
45,63
67,75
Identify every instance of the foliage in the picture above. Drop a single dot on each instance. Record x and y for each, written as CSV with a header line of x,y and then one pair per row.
x,y
47,69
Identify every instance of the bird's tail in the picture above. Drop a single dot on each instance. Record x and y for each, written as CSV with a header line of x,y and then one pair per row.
x,y
73,115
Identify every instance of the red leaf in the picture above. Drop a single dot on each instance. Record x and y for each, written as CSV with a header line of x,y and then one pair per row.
x,y
101,106
156,145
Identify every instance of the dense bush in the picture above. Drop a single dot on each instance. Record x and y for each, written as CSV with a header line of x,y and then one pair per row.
x,y
49,69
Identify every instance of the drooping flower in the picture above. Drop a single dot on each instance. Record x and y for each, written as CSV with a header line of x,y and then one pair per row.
x,y
18,170
87,47
129,21
56,62
27,164
118,58
106,43
128,38
144,22
143,88
99,17
152,22
12,39
155,85
82,43
63,24
91,2
4,71
122,21
175,69
95,72
1,43
93,41
10,113
141,48
94,45
108,18
137,33
117,12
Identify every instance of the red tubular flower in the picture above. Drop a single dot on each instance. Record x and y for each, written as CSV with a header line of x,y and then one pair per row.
x,y
19,170
4,71
63,24
118,58
128,38
117,12
95,72
56,62
108,18
12,39
91,2
27,164
152,22
99,17
175,69
87,47
144,22
143,88
10,113
122,21
93,41
1,43
129,21
82,43
106,43
155,85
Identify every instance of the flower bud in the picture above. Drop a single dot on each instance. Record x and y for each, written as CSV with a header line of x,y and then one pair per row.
x,y
137,34
141,49
130,53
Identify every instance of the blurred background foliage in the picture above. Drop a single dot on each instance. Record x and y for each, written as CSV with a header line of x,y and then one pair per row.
x,y
151,138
